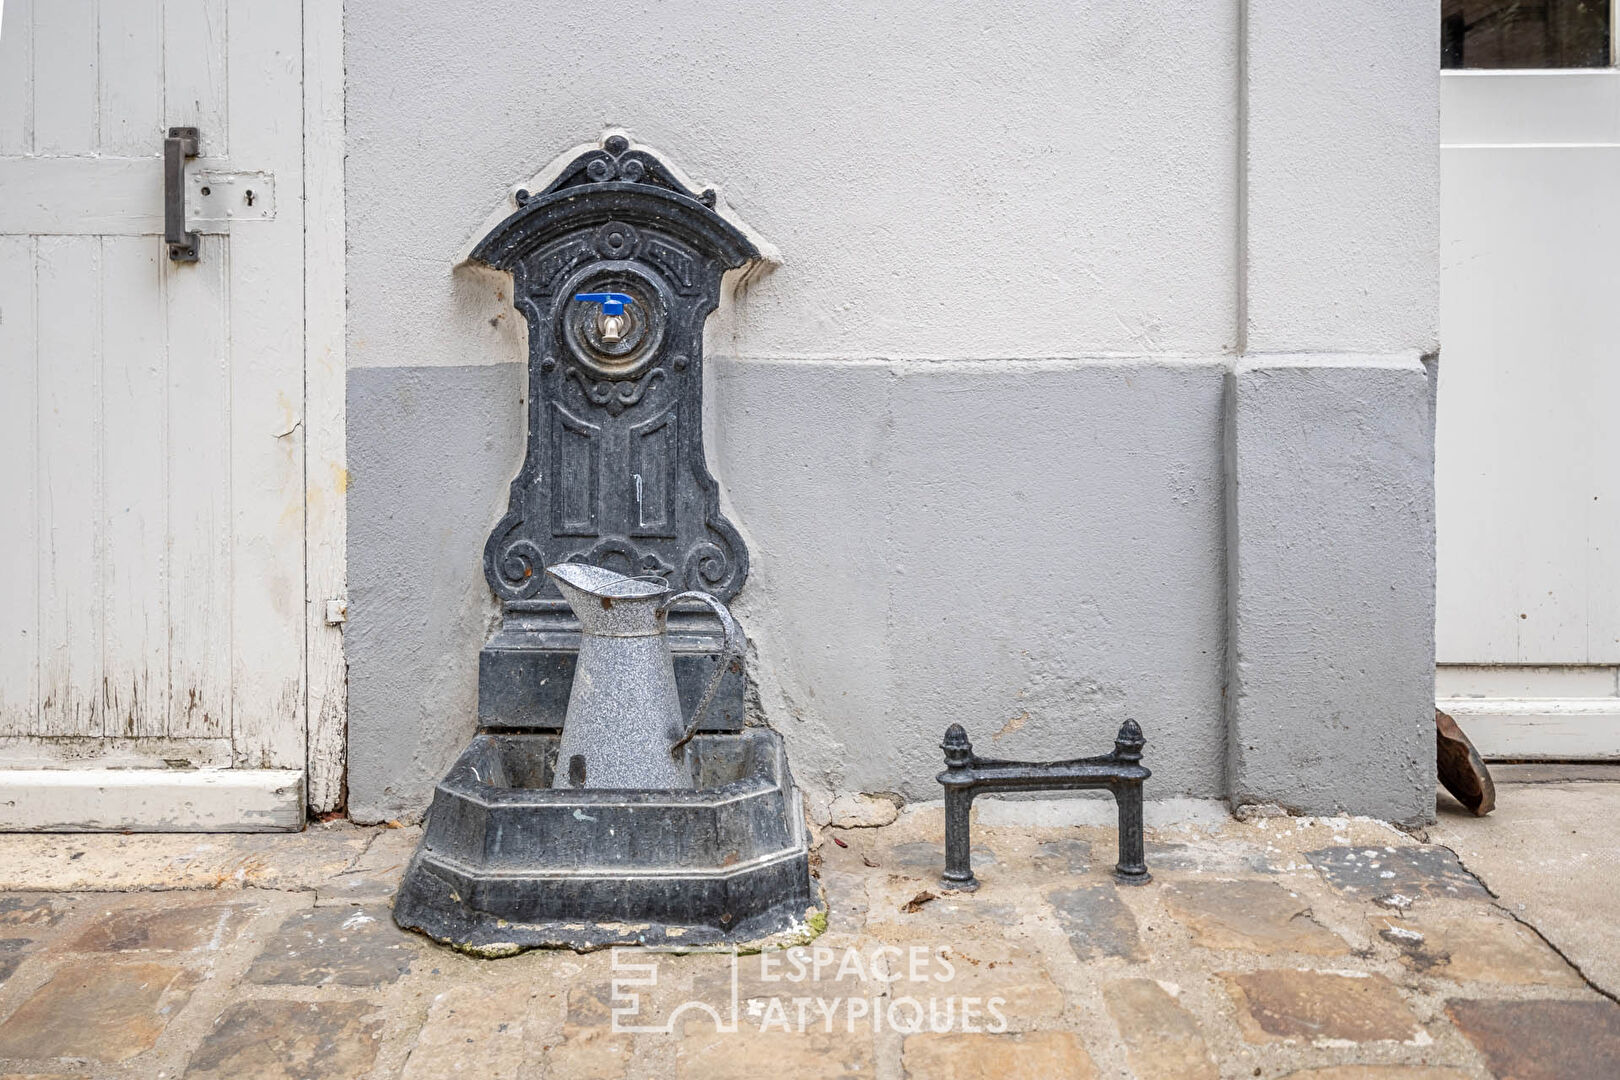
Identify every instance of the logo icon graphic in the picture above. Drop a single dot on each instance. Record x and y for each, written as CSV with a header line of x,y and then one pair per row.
x,y
635,973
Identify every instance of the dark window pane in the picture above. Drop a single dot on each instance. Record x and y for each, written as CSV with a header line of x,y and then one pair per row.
x,y
1524,33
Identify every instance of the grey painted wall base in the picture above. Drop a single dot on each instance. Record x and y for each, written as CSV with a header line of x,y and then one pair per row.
x,y
1038,574
1331,575
431,451
1034,549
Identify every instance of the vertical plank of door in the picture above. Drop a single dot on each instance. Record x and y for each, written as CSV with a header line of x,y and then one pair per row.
x,y
265,48
130,67
65,86
17,79
134,491
326,478
68,304
134,384
199,399
195,70
199,446
19,524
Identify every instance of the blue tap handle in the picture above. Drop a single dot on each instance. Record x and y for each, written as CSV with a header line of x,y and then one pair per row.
x,y
612,302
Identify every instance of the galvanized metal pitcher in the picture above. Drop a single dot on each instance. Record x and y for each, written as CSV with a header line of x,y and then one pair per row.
x,y
624,727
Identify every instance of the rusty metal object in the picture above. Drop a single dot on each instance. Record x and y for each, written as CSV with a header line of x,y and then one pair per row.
x,y
967,775
1462,771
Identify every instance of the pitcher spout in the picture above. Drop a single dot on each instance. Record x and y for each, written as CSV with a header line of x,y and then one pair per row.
x,y
608,603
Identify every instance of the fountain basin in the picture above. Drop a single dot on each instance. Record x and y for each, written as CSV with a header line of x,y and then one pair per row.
x,y
508,863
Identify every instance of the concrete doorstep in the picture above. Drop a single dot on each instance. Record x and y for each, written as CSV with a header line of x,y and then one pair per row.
x,y
1307,949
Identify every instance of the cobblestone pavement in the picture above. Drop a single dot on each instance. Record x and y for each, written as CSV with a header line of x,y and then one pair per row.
x,y
1313,949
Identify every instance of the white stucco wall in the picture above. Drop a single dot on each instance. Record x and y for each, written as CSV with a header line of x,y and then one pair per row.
x,y
1341,177
912,164
972,427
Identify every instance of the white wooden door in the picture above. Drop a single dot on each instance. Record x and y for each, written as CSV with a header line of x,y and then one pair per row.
x,y
1528,445
153,498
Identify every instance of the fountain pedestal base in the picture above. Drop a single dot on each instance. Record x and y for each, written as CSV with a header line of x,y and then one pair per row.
x,y
509,863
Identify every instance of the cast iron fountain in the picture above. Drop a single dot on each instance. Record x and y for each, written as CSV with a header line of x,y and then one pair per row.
x,y
669,830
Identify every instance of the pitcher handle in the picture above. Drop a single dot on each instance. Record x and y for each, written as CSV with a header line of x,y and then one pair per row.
x,y
732,650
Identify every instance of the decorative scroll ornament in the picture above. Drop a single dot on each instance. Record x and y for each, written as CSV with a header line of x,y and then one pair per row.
x,y
616,396
519,563
617,162
615,472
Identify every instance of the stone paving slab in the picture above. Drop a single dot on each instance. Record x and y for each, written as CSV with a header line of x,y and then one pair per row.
x,y
1320,1007
33,910
336,946
1161,1038
704,1053
164,926
975,1056
106,1012
12,951
476,1031
1550,852
26,920
289,1040
1267,949
589,1046
1256,916
1413,872
1477,948
1543,1040
1098,923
